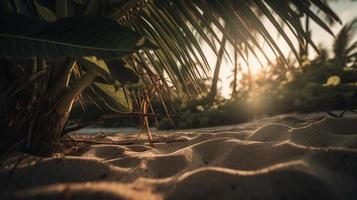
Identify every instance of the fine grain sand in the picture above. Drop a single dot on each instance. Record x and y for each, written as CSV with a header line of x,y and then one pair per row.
x,y
280,158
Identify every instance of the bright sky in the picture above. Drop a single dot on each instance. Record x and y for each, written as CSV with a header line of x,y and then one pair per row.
x,y
346,9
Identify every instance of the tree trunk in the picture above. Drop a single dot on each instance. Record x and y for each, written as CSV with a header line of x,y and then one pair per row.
x,y
45,134
33,115
50,126
303,43
235,74
213,91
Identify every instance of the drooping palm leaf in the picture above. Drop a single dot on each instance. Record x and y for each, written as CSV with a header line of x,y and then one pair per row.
x,y
112,98
24,37
175,24
110,94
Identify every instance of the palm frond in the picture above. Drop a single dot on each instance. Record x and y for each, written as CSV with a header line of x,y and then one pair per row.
x,y
25,37
177,27
342,48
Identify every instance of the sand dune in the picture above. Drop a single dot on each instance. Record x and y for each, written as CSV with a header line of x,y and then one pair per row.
x,y
314,160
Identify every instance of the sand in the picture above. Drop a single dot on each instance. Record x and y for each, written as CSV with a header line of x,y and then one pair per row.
x,y
278,158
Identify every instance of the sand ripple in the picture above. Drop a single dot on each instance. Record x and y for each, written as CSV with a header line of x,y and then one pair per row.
x,y
274,161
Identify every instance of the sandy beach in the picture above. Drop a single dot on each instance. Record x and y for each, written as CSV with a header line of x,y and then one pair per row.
x,y
277,158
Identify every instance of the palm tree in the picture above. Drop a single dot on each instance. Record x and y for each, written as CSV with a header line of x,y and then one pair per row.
x,y
236,69
213,91
65,49
345,52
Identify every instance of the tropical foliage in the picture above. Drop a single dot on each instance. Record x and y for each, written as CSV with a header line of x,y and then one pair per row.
x,y
58,53
324,84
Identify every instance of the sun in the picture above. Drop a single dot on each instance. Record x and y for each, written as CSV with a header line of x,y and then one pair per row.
x,y
253,67
249,65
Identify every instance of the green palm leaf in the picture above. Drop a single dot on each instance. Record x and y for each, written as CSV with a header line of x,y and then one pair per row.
x,y
25,37
113,98
177,27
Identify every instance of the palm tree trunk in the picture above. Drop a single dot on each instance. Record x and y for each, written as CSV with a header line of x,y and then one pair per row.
x,y
235,74
249,71
303,43
307,30
49,126
213,91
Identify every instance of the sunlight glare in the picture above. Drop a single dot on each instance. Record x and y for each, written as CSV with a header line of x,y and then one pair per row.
x,y
226,73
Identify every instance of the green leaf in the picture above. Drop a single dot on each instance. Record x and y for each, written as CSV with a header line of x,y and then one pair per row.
x,y
91,63
112,97
25,37
121,71
182,28
112,70
333,81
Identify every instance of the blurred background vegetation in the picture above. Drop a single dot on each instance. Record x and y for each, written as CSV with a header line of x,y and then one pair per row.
x,y
327,82
324,83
